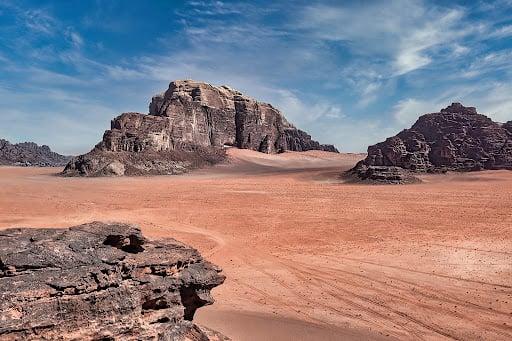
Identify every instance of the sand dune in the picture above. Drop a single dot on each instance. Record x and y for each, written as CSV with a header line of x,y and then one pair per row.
x,y
308,257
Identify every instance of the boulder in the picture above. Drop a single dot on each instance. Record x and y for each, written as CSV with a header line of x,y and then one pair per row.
x,y
101,281
457,138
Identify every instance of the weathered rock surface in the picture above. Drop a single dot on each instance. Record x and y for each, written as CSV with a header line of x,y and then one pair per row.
x,y
101,282
100,162
207,115
455,139
191,118
29,154
381,174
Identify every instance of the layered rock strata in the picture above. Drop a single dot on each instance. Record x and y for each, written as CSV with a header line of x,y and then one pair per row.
x,y
101,282
457,138
188,126
206,115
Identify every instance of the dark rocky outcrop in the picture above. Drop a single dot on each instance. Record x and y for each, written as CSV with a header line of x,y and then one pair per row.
x,y
29,154
188,126
455,139
380,174
101,282
101,162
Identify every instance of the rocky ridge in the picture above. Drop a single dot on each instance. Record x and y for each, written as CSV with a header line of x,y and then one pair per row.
x,y
188,126
101,282
457,138
29,154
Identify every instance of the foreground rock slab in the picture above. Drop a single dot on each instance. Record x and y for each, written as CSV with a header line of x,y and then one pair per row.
x,y
188,127
457,138
101,282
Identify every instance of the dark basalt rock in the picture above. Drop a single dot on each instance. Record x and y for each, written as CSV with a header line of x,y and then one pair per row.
x,y
457,138
29,154
190,117
101,282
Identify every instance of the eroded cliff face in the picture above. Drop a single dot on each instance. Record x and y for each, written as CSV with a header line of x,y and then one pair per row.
x,y
455,139
101,282
190,117
207,115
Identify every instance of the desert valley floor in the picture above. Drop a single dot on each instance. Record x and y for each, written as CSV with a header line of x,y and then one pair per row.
x,y
308,257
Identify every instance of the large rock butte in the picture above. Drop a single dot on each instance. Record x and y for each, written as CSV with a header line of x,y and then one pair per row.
x,y
455,139
187,127
29,154
101,282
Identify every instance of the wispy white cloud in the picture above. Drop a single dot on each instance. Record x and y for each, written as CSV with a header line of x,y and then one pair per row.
x,y
504,31
495,101
404,32
491,62
38,21
216,8
494,5
388,40
297,110
368,82
458,50
76,39
407,111
434,31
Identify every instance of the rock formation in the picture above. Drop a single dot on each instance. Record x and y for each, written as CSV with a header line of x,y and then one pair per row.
x,y
380,174
101,282
207,115
455,139
188,126
29,154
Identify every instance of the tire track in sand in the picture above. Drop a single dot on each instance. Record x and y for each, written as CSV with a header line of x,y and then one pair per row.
x,y
217,238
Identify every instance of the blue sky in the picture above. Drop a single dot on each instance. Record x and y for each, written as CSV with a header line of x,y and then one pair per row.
x,y
348,73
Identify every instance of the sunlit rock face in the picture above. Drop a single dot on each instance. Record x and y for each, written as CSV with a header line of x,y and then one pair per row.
x,y
206,115
193,113
187,123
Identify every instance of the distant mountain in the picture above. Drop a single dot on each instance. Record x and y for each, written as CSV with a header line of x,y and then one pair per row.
x,y
29,154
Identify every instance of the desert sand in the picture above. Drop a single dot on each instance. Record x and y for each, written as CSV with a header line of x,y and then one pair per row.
x,y
308,257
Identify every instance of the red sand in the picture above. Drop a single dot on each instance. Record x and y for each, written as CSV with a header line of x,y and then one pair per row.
x,y
306,256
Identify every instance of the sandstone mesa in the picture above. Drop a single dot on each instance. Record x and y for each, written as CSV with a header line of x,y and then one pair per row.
x,y
187,127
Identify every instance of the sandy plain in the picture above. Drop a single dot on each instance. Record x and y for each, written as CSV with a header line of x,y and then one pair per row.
x,y
308,257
